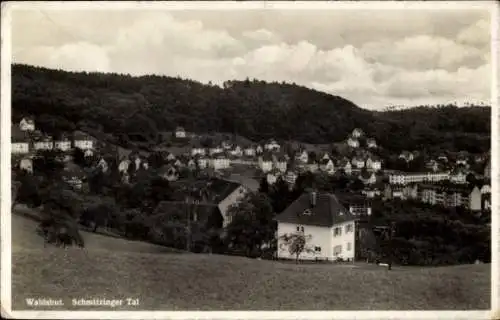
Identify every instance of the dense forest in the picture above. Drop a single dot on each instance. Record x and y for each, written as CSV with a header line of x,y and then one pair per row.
x,y
139,108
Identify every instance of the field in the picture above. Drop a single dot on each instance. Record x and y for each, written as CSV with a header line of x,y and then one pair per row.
x,y
116,268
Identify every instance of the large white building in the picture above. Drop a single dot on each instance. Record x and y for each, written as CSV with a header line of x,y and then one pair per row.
x,y
328,227
405,178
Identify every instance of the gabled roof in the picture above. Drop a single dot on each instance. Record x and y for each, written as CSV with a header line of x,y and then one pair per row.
x,y
80,135
325,213
324,162
17,135
179,128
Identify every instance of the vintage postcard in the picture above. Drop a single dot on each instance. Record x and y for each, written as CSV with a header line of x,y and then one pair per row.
x,y
249,159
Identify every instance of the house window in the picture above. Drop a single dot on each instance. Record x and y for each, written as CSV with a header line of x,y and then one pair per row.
x,y
300,229
348,246
348,228
337,231
307,212
317,249
337,250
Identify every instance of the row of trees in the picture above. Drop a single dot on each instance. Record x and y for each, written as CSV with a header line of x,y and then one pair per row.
x,y
138,109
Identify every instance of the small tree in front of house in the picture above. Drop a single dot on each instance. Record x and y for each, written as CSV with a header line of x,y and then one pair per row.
x,y
296,244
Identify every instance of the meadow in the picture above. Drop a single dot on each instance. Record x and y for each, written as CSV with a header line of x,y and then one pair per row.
x,y
166,280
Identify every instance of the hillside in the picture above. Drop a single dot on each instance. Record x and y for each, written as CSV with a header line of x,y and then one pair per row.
x,y
138,109
212,282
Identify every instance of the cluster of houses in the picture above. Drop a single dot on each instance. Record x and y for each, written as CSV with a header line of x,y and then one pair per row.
x,y
26,140
353,140
471,197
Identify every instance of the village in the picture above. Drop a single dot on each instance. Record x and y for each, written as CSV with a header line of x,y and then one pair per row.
x,y
238,169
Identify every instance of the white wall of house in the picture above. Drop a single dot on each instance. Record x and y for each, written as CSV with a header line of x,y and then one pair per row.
x,y
84,144
62,145
266,166
249,152
20,147
203,163
200,151
323,237
123,166
320,237
180,134
26,164
235,197
475,199
271,178
25,125
43,145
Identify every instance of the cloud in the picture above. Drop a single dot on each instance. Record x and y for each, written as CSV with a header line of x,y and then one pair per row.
x,y
477,34
381,63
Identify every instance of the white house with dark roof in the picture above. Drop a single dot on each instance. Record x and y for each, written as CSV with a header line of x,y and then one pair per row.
x,y
180,132
27,124
357,133
330,229
45,144
358,162
266,163
272,145
198,150
272,176
407,156
326,165
249,151
20,143
63,144
280,163
353,142
82,140
26,164
215,150
373,164
302,156
371,143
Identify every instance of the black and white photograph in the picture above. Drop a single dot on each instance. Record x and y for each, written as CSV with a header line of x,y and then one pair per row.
x,y
249,156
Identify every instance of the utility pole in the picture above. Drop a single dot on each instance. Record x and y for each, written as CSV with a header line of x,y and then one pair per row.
x,y
188,214
391,232
387,232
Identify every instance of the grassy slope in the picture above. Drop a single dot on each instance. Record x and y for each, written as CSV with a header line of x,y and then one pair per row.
x,y
212,282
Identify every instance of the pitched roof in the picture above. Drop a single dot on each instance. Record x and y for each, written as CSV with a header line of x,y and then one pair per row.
x,y
220,189
325,213
80,135
17,135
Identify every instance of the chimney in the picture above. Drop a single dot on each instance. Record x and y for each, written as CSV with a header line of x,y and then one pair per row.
x,y
313,198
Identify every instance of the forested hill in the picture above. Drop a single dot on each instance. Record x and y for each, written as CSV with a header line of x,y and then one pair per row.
x,y
257,110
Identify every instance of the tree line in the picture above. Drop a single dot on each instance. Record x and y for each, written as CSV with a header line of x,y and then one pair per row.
x,y
135,110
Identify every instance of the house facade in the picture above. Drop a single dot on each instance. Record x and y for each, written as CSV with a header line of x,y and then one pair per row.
x,y
27,124
20,142
371,143
63,145
353,142
329,228
357,133
82,141
180,132
272,145
26,164
44,144
405,178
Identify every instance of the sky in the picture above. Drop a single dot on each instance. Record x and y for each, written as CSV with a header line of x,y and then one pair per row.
x,y
374,58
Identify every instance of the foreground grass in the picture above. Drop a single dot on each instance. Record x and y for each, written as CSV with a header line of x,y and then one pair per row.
x,y
212,282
